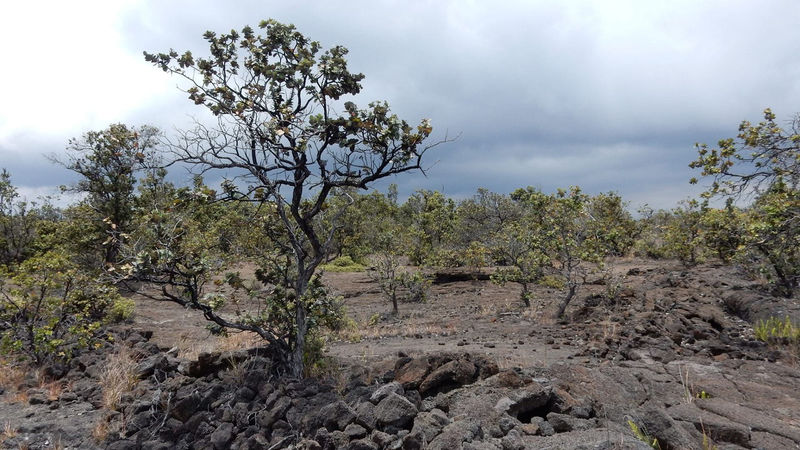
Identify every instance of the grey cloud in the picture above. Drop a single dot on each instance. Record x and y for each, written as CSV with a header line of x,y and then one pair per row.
x,y
610,95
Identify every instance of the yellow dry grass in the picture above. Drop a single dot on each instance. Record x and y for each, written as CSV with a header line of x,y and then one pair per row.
x,y
362,332
11,378
118,377
100,430
191,348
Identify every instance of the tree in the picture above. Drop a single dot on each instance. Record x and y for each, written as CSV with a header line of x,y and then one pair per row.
x,y
387,241
612,223
429,217
773,233
108,161
18,224
572,242
359,227
554,237
684,233
521,248
486,213
763,161
275,97
759,156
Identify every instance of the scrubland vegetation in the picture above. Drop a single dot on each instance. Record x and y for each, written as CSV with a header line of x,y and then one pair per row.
x,y
63,267
296,201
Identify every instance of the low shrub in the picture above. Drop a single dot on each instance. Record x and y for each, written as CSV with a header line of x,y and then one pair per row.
x,y
552,281
343,264
49,309
121,310
416,284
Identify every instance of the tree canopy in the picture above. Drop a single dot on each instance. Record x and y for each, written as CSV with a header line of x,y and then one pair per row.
x,y
287,140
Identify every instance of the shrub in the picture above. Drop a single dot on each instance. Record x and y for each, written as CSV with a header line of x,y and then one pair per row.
x,y
343,264
416,284
396,284
552,281
49,309
121,310
316,363
724,231
684,234
651,231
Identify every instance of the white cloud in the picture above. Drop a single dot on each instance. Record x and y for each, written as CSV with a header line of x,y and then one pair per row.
x,y
70,73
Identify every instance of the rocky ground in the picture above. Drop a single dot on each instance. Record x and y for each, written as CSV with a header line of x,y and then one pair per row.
x,y
673,353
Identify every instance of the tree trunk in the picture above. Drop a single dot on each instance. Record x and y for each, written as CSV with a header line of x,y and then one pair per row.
x,y
112,252
297,365
525,295
563,307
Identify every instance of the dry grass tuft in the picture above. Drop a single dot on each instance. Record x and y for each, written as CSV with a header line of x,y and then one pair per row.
x,y
20,396
238,341
191,348
9,431
370,331
610,329
118,377
100,430
57,444
54,390
11,377
535,314
409,330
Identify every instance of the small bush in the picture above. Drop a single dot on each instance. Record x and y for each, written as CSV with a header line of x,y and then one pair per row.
x,y
552,281
374,319
49,309
417,285
316,362
614,285
396,284
343,264
121,310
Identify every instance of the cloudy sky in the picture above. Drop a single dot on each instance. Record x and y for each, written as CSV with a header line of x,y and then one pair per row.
x,y
607,95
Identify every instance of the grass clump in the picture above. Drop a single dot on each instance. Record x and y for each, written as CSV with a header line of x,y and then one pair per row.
x,y
781,334
642,435
118,377
774,329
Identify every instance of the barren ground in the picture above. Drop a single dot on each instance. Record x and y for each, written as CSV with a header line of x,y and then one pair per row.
x,y
478,316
